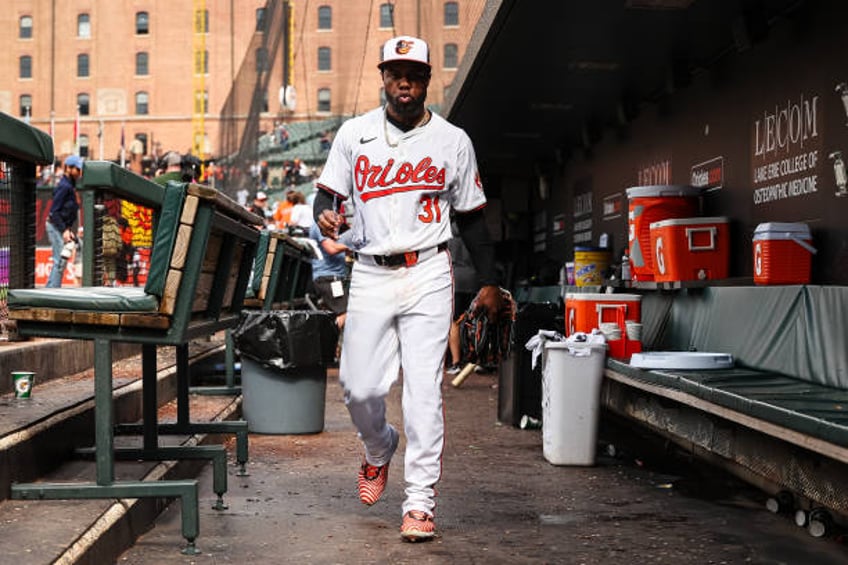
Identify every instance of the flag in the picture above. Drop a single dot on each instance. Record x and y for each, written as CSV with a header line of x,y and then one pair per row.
x,y
123,148
76,133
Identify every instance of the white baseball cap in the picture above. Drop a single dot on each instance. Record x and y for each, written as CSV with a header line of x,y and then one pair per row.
x,y
405,48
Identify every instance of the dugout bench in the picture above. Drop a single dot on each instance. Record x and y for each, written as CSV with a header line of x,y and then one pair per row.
x,y
281,273
777,419
203,248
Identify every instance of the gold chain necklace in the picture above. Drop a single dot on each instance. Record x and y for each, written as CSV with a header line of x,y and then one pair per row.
x,y
424,119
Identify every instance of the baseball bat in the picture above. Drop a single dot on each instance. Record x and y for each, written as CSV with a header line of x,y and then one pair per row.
x,y
463,374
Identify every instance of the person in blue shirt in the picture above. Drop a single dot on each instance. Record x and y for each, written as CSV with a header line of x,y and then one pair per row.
x,y
64,211
330,275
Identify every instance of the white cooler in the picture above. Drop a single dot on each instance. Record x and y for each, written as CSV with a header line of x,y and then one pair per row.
x,y
571,397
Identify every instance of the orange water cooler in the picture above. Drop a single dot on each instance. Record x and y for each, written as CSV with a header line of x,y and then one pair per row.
x,y
783,253
585,311
690,249
648,204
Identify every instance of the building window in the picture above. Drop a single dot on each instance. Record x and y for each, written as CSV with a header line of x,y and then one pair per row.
x,y
201,62
141,100
83,25
451,56
323,99
265,101
142,137
386,17
201,102
325,17
83,146
261,60
142,23
201,21
142,67
83,103
260,20
324,63
383,99
451,13
25,67
25,29
26,105
82,65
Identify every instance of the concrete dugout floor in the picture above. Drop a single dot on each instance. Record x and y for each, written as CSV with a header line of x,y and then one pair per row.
x,y
499,501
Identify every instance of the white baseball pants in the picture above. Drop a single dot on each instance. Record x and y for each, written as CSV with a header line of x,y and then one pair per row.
x,y
399,318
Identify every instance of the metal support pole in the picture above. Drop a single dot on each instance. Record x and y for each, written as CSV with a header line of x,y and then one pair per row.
x,y
150,397
103,412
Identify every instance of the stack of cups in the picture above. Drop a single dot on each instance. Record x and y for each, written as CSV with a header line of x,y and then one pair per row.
x,y
611,331
634,330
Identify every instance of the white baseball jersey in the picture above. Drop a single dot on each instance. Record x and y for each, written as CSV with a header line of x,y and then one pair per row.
x,y
402,184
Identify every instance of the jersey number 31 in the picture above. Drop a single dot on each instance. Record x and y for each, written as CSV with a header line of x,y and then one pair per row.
x,y
431,211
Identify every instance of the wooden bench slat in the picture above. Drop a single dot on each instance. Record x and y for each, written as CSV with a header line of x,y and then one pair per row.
x,y
178,256
149,321
189,210
172,288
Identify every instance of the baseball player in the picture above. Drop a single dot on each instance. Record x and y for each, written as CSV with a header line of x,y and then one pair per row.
x,y
403,169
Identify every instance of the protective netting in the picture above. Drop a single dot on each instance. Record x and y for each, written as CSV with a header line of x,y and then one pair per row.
x,y
17,245
240,127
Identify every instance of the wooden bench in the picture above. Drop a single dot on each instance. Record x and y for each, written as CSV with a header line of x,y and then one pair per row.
x,y
203,248
779,418
281,272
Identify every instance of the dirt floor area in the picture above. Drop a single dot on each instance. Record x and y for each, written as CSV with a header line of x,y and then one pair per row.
x,y
499,501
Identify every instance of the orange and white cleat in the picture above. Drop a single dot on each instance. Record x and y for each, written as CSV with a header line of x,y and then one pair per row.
x,y
417,526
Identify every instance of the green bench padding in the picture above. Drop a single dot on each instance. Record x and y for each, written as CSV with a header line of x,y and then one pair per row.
x,y
22,141
259,263
123,183
165,237
810,408
94,299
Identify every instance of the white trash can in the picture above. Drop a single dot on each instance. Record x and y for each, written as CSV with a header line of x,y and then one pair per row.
x,y
571,390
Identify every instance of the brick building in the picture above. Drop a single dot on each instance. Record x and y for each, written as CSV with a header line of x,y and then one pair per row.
x,y
133,68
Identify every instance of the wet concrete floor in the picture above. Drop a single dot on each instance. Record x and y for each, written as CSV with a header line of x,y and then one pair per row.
x,y
499,501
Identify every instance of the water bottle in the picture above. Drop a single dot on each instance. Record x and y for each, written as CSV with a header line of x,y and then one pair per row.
x,y
68,250
625,267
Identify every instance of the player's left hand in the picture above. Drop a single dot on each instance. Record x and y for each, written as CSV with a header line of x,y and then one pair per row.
x,y
489,299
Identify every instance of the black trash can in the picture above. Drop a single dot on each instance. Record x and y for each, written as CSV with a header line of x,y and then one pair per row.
x,y
519,386
284,356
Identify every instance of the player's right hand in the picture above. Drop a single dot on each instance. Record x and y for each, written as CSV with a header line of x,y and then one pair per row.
x,y
329,223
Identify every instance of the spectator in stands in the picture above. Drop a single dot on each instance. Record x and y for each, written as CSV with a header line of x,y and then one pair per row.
x,y
173,169
136,156
64,212
326,141
283,136
263,174
260,205
282,213
301,215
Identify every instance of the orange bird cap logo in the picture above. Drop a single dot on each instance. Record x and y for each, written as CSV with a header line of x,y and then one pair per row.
x,y
403,47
